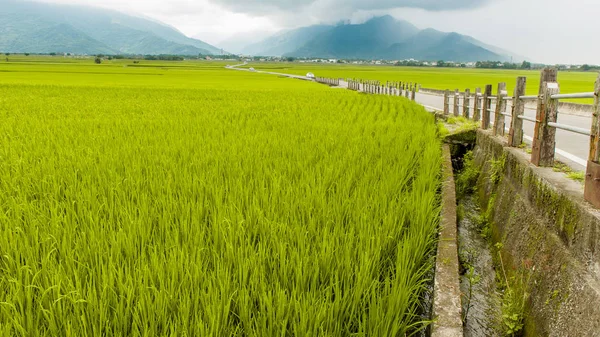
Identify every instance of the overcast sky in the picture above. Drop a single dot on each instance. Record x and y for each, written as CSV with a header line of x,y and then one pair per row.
x,y
550,31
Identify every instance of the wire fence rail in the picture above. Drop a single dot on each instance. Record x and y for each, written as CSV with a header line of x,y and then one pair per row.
x,y
546,123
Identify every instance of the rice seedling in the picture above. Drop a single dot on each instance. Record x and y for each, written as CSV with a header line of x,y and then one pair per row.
x,y
210,209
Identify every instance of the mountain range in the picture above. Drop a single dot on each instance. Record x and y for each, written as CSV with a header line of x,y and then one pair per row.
x,y
42,28
379,38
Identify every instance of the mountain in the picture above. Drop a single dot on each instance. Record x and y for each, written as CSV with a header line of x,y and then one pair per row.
x,y
368,40
379,38
515,57
236,43
286,41
41,27
430,44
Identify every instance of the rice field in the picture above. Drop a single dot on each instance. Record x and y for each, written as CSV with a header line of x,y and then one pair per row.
x,y
191,200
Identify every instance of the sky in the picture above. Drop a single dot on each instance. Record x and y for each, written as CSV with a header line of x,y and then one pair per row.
x,y
548,31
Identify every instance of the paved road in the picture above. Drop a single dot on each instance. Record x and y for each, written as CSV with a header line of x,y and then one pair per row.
x,y
571,148
236,67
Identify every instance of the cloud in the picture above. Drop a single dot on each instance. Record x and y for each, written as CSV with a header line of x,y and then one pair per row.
x,y
292,13
267,7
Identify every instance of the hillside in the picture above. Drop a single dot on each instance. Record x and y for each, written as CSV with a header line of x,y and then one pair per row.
x,y
284,42
40,27
379,38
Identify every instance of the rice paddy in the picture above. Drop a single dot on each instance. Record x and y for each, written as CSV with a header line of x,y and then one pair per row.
x,y
182,199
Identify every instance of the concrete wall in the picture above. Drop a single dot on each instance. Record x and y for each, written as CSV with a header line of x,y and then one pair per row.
x,y
447,308
548,231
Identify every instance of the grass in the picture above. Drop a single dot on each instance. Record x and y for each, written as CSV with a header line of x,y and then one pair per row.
x,y
207,202
578,176
440,78
466,180
515,294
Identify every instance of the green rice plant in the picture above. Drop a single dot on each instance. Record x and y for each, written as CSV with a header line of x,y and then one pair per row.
x,y
209,202
442,130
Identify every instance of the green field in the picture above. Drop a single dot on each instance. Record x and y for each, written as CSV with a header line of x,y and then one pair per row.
x,y
183,199
439,78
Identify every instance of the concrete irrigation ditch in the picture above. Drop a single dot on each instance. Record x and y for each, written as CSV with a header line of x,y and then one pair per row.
x,y
543,236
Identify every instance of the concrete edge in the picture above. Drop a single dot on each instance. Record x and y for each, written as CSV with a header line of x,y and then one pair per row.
x,y
447,306
548,232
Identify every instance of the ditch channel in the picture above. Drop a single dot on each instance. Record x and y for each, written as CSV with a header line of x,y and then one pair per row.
x,y
480,299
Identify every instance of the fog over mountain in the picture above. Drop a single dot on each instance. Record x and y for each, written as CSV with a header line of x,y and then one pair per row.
x,y
379,38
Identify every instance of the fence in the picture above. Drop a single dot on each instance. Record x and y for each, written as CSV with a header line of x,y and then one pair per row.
x,y
546,122
390,88
328,81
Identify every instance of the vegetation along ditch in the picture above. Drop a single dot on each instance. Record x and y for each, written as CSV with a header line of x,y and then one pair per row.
x,y
493,302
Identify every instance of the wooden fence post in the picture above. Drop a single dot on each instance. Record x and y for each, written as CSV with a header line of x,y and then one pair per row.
x,y
500,109
515,134
446,102
544,143
477,106
487,105
595,137
466,102
413,93
456,102
407,92
592,177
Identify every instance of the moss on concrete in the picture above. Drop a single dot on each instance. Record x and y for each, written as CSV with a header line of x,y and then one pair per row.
x,y
545,229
